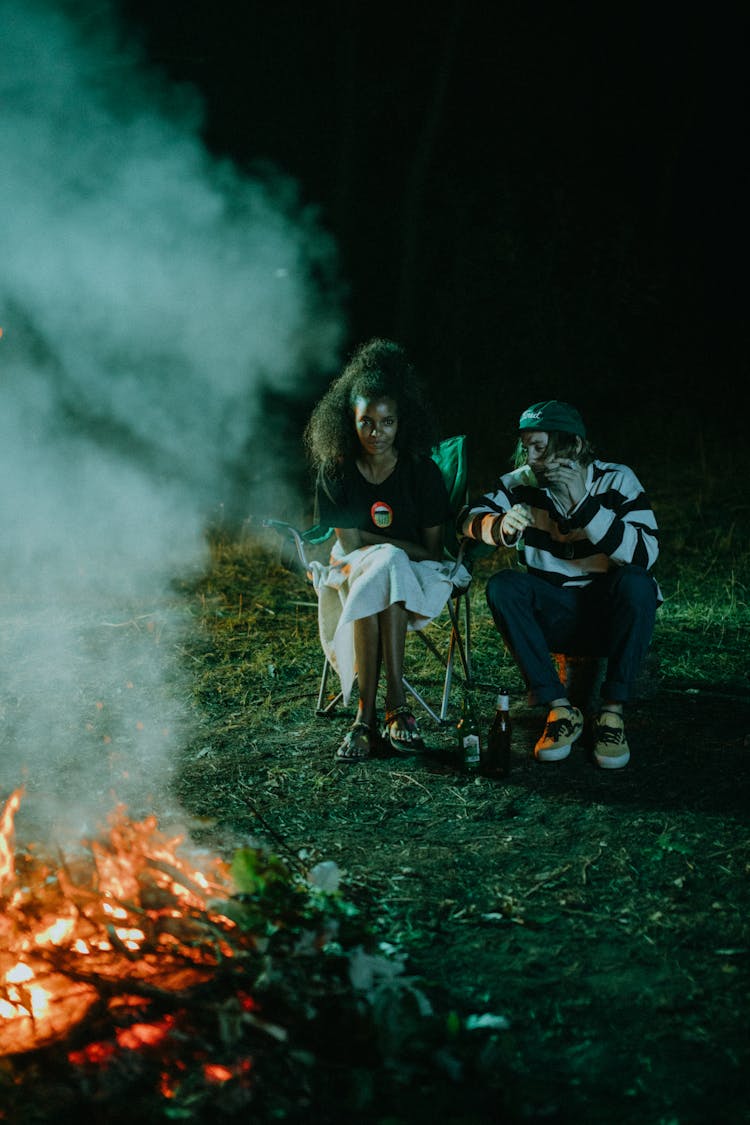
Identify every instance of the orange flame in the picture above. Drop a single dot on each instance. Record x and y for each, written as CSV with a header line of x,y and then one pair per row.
x,y
7,865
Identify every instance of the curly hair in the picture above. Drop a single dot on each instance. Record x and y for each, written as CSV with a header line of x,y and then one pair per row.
x,y
378,369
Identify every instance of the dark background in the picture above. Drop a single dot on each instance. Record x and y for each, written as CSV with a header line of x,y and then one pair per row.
x,y
538,199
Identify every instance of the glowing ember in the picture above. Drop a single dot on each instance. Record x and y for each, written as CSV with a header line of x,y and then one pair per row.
x,y
96,1054
145,1034
216,1073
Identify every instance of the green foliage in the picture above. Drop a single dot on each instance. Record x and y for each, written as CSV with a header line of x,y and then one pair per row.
x,y
256,874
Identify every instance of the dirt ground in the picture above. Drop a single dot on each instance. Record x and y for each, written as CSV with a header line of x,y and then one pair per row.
x,y
603,915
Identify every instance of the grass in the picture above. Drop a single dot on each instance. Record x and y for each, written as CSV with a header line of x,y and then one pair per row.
x,y
603,918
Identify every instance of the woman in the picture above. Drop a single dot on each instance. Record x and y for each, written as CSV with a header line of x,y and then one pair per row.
x,y
369,439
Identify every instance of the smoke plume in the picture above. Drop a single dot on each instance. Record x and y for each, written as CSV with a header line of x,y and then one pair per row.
x,y
150,294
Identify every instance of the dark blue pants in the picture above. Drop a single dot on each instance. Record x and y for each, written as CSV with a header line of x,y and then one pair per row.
x,y
612,617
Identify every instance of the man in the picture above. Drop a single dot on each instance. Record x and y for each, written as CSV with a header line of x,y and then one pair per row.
x,y
586,537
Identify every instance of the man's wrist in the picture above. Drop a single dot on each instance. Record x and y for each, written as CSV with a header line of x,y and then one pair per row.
x,y
498,534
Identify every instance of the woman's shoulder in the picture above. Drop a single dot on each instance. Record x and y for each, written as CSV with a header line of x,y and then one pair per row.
x,y
420,467
424,462
334,470
332,479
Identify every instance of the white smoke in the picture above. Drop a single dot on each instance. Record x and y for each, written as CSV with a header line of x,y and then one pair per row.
x,y
149,294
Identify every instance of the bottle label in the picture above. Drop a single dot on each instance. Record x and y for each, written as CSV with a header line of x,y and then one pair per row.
x,y
471,750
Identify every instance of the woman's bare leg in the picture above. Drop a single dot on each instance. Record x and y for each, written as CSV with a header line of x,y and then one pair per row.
x,y
367,653
393,621
403,730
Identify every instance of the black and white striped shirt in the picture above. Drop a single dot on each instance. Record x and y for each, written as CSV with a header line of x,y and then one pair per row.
x,y
612,525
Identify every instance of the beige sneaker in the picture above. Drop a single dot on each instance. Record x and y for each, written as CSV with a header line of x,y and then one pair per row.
x,y
611,749
564,725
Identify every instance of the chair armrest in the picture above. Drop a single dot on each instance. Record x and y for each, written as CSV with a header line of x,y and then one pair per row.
x,y
285,530
312,536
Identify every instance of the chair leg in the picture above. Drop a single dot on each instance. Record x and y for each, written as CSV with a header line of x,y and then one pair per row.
x,y
463,647
455,644
420,699
463,652
467,636
326,709
448,681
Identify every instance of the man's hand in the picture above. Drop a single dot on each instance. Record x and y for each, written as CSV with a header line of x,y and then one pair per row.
x,y
567,479
515,521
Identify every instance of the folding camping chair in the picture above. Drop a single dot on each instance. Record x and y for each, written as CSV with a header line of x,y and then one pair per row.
x,y
450,456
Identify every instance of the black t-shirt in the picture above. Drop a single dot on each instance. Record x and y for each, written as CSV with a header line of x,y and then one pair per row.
x,y
411,498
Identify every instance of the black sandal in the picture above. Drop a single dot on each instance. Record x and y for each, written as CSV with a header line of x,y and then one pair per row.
x,y
402,732
357,744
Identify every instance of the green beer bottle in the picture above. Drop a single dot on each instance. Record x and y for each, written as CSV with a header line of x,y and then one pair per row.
x,y
469,742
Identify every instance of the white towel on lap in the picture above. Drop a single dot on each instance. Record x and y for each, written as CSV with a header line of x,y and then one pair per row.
x,y
367,581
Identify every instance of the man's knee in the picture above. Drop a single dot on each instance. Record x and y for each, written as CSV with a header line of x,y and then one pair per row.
x,y
505,587
634,586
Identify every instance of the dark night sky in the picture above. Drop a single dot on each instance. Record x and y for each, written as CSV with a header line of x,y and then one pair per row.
x,y
537,198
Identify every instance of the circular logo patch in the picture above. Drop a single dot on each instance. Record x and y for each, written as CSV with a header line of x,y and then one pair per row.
x,y
381,513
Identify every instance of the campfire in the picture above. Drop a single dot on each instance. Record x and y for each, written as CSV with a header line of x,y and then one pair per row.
x,y
150,981
122,920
